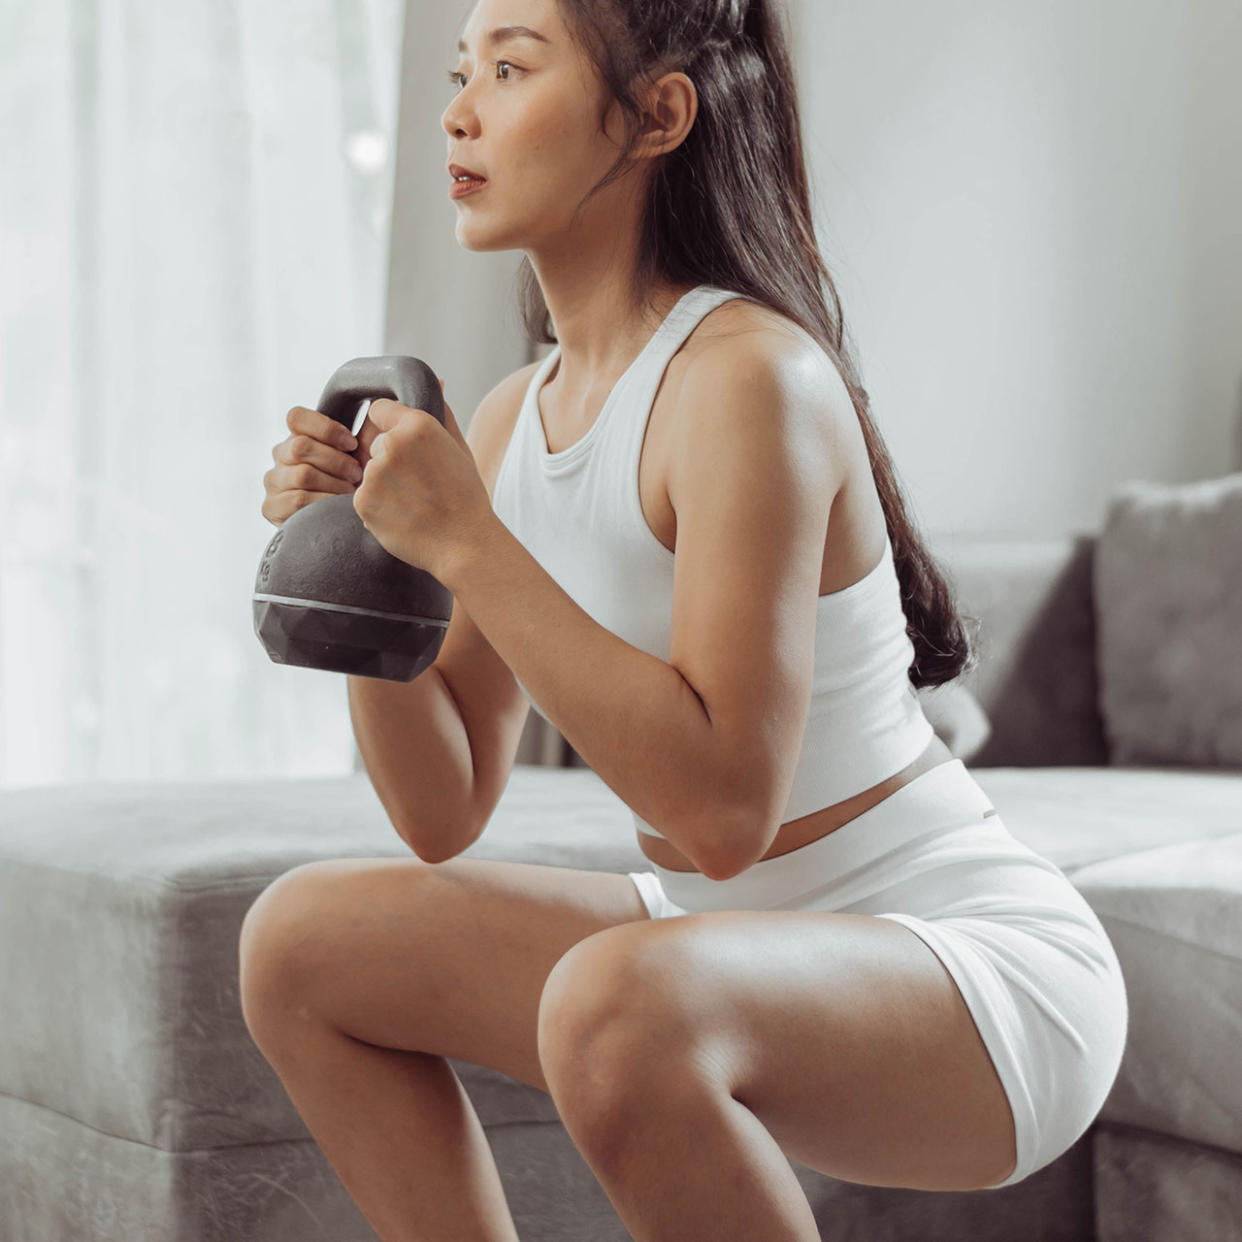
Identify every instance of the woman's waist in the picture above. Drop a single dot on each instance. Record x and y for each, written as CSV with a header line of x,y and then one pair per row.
x,y
935,849
806,829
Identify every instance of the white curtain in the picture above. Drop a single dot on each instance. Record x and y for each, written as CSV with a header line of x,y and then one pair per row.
x,y
194,226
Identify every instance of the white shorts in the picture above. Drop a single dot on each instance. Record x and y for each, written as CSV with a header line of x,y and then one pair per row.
x,y
1031,960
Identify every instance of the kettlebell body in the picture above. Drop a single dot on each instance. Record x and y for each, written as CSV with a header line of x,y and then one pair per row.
x,y
328,595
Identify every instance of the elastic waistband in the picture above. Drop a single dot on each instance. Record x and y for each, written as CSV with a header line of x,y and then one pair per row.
x,y
939,800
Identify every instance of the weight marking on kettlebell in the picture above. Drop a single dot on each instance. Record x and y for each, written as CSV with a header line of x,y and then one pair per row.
x,y
265,569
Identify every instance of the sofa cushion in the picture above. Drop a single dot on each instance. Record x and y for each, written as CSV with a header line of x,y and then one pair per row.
x,y
1026,605
957,717
125,902
1153,1188
1174,916
1077,816
121,906
1168,597
1157,853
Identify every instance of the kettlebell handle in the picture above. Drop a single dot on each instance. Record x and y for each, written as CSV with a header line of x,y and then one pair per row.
x,y
409,381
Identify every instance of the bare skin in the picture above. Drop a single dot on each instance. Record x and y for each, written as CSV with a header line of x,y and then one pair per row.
x,y
836,1040
852,547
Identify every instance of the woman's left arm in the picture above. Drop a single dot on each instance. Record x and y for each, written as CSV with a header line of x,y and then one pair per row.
x,y
634,719
702,747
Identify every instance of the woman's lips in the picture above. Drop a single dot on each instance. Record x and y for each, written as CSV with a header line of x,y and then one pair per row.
x,y
459,189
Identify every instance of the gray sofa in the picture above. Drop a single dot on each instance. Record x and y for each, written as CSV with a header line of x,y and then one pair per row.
x,y
134,1106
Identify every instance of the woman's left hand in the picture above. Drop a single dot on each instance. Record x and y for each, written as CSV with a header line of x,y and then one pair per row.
x,y
421,494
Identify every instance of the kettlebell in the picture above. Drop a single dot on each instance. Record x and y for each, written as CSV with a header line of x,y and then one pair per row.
x,y
328,595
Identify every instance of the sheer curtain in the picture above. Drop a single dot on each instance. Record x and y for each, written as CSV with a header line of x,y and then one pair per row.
x,y
194,233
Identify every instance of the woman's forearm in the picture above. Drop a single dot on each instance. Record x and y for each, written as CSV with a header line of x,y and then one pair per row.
x,y
632,717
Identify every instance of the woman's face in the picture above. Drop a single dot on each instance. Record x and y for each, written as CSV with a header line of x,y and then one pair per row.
x,y
525,114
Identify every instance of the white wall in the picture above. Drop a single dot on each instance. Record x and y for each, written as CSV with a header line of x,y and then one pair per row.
x,y
1033,213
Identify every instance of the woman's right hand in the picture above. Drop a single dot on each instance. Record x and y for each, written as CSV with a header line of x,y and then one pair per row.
x,y
315,461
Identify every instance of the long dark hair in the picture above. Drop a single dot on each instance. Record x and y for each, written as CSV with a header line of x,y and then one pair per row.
x,y
730,207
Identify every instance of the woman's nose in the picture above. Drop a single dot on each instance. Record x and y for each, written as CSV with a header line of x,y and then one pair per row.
x,y
453,125
455,119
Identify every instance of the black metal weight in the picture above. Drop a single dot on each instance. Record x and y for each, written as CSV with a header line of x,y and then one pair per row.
x,y
328,595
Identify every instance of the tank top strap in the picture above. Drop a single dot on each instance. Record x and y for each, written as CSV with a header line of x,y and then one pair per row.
x,y
678,324
686,315
637,387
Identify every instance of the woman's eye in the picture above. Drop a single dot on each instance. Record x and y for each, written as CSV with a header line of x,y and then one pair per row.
x,y
459,79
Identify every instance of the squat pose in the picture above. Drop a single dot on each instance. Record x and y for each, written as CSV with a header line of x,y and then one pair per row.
x,y
680,538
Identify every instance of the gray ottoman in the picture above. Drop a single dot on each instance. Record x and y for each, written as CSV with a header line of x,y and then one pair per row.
x,y
134,1106
133,1103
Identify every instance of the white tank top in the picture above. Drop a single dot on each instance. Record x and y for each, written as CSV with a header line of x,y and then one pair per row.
x,y
579,515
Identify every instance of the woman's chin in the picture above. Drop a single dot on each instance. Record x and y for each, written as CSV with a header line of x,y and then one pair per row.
x,y
471,235
479,245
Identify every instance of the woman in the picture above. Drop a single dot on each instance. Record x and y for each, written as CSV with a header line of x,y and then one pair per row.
x,y
678,535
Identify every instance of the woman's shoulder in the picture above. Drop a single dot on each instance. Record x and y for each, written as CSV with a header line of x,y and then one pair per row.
x,y
749,334
764,331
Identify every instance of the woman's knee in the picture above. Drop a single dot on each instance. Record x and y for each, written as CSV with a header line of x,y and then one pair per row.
x,y
286,943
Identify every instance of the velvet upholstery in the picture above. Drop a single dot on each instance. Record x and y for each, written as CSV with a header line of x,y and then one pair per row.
x,y
134,1105
1169,597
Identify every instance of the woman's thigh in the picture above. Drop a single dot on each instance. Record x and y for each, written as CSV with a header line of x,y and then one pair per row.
x,y
448,959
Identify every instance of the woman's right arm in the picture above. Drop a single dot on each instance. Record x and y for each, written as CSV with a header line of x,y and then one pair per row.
x,y
417,753
410,734
439,749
